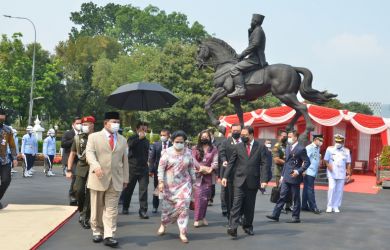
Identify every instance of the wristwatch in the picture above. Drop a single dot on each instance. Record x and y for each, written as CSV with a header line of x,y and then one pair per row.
x,y
68,170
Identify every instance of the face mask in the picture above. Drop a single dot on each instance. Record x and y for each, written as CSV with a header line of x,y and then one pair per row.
x,y
268,145
284,140
77,127
236,135
52,135
85,129
163,138
204,141
320,144
290,140
178,146
244,139
115,127
338,145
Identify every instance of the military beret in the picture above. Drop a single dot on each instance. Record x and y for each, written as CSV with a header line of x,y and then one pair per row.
x,y
88,119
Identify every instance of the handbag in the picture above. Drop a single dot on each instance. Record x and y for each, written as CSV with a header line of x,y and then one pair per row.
x,y
275,194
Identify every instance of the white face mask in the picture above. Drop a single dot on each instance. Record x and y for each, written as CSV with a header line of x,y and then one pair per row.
x,y
320,144
52,135
178,146
115,127
77,127
85,129
290,140
268,145
338,145
163,138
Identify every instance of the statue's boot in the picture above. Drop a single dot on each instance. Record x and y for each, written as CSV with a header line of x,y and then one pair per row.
x,y
240,89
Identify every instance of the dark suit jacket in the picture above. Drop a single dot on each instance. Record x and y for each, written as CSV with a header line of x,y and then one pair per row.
x,y
66,144
225,153
138,155
251,169
155,155
295,160
256,47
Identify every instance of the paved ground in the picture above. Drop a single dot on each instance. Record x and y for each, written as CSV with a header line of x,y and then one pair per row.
x,y
362,224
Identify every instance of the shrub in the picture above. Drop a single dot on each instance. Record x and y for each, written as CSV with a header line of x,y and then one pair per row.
x,y
384,158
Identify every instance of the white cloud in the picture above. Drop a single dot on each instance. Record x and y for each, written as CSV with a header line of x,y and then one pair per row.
x,y
350,46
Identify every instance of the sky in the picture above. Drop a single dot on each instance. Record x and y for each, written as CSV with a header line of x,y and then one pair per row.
x,y
346,44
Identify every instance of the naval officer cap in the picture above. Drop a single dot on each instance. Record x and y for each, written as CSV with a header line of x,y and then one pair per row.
x,y
339,138
319,137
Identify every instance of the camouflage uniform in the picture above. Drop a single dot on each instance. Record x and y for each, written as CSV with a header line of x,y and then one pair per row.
x,y
279,150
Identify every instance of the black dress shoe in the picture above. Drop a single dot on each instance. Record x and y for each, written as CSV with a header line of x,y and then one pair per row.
x,y
232,232
86,224
97,238
249,231
316,211
288,209
143,215
154,210
294,220
272,217
125,211
111,242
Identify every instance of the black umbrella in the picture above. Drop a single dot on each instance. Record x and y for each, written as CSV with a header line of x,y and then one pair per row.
x,y
141,96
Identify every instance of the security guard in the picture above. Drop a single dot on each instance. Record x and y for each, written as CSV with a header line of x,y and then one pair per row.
x,y
49,151
29,150
6,140
78,149
338,162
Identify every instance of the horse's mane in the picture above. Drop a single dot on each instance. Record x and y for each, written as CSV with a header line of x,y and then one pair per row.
x,y
222,43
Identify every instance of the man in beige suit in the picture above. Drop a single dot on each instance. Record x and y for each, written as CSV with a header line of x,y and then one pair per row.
x,y
108,175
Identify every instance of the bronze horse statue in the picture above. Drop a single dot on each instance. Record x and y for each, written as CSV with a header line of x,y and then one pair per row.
x,y
283,81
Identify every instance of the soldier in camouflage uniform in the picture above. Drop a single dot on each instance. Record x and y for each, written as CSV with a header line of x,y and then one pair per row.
x,y
279,156
79,149
6,140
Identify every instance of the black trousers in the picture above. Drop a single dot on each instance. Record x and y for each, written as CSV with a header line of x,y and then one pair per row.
x,y
5,178
143,181
156,201
227,198
83,197
285,190
30,159
244,201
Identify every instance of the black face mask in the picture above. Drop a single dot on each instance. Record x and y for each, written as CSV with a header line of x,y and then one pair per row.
x,y
284,140
245,139
204,141
236,135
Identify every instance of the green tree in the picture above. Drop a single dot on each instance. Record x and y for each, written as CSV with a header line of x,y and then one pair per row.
x,y
77,58
358,108
15,78
133,26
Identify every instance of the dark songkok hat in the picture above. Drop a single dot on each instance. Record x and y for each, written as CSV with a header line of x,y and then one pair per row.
x,y
258,17
111,115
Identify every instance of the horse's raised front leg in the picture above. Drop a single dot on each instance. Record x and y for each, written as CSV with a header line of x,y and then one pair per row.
x,y
239,112
217,95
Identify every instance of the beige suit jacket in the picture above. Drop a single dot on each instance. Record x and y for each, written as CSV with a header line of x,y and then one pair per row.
x,y
114,163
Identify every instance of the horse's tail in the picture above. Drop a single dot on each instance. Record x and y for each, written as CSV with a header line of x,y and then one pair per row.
x,y
307,92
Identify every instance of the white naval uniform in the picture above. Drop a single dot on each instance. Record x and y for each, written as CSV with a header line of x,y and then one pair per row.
x,y
339,159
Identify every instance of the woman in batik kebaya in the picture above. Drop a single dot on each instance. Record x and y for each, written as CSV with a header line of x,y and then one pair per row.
x,y
176,176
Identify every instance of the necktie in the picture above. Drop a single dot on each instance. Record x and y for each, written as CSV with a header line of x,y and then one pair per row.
x,y
248,149
112,141
165,145
237,141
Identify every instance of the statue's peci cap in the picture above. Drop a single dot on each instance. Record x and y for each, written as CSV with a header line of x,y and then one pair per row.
x,y
258,17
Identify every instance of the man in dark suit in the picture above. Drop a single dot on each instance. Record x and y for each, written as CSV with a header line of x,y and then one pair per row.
x,y
138,170
296,163
66,144
225,152
154,158
250,168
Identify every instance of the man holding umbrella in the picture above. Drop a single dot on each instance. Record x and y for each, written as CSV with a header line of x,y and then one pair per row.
x,y
139,171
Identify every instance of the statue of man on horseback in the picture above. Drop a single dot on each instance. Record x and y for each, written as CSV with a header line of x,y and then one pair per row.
x,y
252,58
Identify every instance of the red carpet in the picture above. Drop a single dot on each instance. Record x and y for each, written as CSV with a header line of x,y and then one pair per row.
x,y
363,184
